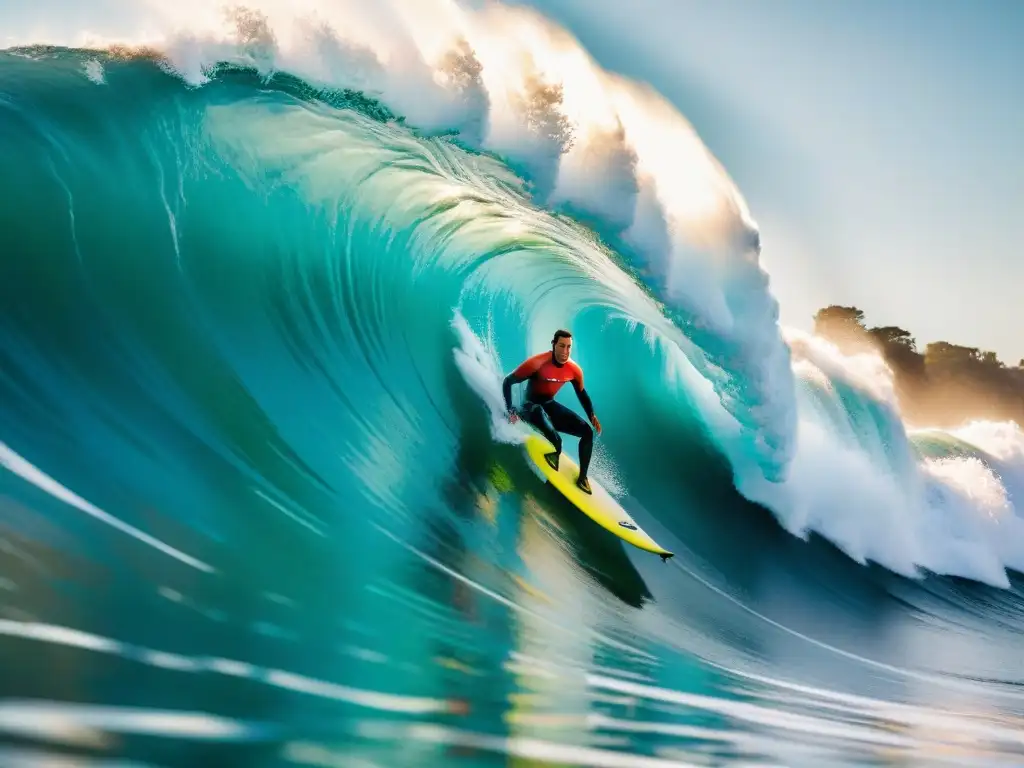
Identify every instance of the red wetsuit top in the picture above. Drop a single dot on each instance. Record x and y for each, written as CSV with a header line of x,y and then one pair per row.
x,y
544,378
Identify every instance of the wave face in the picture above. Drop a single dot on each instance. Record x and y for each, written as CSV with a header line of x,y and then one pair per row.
x,y
263,271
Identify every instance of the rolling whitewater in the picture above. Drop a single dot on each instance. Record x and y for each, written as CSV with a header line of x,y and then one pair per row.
x,y
260,504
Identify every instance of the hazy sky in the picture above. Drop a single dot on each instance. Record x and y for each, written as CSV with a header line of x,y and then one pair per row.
x,y
879,143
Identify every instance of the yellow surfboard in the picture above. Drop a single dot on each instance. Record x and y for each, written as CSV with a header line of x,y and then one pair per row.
x,y
600,507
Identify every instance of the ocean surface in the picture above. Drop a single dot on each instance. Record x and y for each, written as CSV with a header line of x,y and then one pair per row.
x,y
261,274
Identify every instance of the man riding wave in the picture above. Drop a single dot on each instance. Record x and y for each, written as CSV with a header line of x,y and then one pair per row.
x,y
545,373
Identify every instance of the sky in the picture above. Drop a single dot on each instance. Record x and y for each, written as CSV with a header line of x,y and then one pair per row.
x,y
879,143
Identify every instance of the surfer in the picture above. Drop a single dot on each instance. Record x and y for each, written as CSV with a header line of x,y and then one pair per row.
x,y
545,373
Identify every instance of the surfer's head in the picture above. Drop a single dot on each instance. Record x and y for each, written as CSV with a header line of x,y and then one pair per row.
x,y
561,346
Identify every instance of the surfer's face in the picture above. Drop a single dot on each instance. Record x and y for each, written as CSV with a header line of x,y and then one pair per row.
x,y
562,349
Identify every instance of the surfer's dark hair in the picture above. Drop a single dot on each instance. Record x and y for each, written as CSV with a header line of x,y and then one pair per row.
x,y
561,333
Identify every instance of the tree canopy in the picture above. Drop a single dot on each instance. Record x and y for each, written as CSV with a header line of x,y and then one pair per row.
x,y
945,385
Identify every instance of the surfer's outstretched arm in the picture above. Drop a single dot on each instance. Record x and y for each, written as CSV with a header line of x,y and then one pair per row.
x,y
525,370
506,388
585,401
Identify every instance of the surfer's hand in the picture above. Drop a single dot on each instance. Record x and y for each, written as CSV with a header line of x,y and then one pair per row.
x,y
513,417
596,423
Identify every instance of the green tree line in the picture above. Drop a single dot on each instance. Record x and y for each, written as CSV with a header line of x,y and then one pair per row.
x,y
943,385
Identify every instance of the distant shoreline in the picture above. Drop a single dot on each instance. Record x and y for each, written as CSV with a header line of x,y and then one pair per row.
x,y
945,385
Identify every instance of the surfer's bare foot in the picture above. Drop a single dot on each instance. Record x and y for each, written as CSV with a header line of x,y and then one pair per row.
x,y
552,459
584,485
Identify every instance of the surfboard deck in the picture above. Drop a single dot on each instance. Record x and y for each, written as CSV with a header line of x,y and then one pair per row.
x,y
600,507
